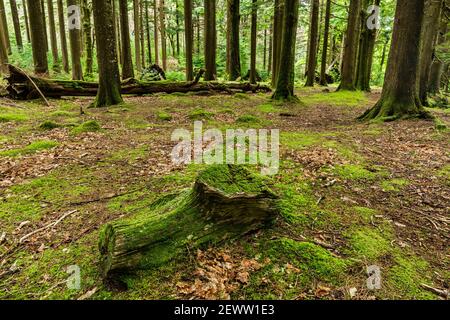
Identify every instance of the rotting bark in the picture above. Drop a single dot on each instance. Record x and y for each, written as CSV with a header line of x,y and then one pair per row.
x,y
20,88
226,202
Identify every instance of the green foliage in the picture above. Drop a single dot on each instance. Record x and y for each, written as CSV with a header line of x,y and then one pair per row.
x,y
33,147
200,114
88,126
164,116
247,118
49,125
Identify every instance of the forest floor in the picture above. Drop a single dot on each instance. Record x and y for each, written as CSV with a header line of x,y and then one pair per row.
x,y
353,195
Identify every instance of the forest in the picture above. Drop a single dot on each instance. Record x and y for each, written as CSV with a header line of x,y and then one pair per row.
x,y
224,149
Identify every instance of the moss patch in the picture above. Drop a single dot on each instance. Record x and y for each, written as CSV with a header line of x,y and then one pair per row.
x,y
163,116
200,114
369,243
33,147
299,140
88,126
49,125
339,98
394,185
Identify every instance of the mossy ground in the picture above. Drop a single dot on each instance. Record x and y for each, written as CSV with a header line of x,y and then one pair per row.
x,y
349,194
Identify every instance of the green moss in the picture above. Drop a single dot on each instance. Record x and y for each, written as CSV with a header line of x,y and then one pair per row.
x,y
25,201
88,126
233,179
369,243
240,95
394,185
268,108
445,173
33,147
8,117
406,276
299,140
439,124
313,260
339,98
247,118
164,116
200,114
62,113
49,125
357,172
365,213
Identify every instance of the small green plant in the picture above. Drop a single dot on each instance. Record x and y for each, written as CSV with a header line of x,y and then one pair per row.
x,y
88,126
49,125
248,118
200,114
164,116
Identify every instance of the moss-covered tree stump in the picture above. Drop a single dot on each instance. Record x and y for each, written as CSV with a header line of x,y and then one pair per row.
x,y
225,202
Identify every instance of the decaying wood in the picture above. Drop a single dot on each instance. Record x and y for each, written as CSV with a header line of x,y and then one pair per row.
x,y
21,87
226,202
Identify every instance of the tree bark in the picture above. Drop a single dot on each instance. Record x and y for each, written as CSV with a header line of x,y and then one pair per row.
x,y
400,96
313,43
4,24
62,36
75,46
437,67
352,34
25,17
276,39
285,82
253,41
3,52
108,67
38,37
210,40
211,212
16,22
147,28
53,41
155,26
127,63
233,11
323,67
162,26
188,33
44,22
137,41
87,31
142,30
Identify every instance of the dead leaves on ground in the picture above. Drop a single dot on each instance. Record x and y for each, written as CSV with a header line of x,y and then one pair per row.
x,y
217,275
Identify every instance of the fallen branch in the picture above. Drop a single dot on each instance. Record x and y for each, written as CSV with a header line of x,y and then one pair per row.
x,y
50,225
440,292
34,85
21,86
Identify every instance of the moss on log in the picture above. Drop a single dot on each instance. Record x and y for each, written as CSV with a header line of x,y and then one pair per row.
x,y
20,88
226,201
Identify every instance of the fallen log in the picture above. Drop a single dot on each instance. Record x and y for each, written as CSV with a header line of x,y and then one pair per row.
x,y
226,202
20,86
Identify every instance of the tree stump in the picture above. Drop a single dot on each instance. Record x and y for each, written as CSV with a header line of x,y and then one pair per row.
x,y
226,202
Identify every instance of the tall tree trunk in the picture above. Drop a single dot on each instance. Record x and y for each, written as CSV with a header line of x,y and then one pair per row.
x,y
142,30
233,11
430,30
285,82
437,67
265,50
137,33
177,21
44,21
162,25
147,29
210,40
75,44
349,62
269,64
87,30
53,41
188,33
108,67
366,50
4,24
127,63
25,17
253,42
62,36
323,67
313,43
16,22
3,51
155,26
277,38
197,15
37,37
400,96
